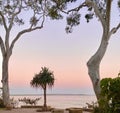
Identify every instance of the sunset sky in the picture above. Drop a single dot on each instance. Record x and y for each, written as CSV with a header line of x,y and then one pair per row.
x,y
65,54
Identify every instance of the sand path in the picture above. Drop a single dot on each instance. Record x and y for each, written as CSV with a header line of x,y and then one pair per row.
x,y
24,110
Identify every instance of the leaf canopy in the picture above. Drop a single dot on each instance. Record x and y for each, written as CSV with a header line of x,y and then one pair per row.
x,y
44,78
92,6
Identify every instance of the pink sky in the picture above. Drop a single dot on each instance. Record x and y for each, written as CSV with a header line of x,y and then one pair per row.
x,y
65,54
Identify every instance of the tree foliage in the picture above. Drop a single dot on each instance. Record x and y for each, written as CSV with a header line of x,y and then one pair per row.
x,y
74,13
10,11
110,95
72,20
43,79
1,103
12,8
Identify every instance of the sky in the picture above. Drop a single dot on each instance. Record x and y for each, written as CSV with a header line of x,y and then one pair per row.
x,y
64,54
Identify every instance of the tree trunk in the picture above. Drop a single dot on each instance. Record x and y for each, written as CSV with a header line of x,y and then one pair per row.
x,y
94,65
5,83
45,101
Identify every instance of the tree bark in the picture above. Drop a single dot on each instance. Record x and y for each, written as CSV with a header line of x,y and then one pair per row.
x,y
94,62
94,65
5,83
45,101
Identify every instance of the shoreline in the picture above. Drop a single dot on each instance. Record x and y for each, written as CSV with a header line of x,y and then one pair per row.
x,y
58,101
52,94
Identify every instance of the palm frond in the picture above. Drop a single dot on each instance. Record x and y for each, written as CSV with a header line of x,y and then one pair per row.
x,y
44,78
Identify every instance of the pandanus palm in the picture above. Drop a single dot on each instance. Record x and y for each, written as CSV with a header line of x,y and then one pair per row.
x,y
43,79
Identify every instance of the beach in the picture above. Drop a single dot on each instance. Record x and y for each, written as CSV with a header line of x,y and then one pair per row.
x,y
27,110
59,101
55,101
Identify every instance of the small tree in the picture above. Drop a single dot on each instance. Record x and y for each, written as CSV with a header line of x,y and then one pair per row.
x,y
43,79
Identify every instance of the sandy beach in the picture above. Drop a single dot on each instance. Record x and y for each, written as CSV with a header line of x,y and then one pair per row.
x,y
24,110
21,110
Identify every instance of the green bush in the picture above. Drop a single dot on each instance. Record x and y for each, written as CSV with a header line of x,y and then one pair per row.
x,y
1,103
109,101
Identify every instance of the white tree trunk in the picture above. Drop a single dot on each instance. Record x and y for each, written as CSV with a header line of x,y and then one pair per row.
x,y
94,62
94,65
5,83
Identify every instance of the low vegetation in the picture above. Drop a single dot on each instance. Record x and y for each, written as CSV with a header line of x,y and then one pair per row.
x,y
29,101
1,103
110,96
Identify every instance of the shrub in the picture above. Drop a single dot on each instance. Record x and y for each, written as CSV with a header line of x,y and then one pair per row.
x,y
109,101
29,101
1,103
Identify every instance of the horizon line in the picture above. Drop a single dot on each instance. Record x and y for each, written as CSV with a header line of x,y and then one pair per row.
x,y
62,94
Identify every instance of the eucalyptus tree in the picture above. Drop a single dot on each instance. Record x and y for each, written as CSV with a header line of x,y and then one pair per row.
x,y
100,9
45,78
30,15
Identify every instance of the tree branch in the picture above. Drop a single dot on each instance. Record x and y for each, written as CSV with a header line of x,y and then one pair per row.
x,y
24,31
3,19
90,3
78,8
32,27
114,30
13,16
11,24
2,46
108,12
96,10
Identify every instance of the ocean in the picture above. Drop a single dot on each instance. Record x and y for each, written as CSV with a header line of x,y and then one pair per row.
x,y
60,101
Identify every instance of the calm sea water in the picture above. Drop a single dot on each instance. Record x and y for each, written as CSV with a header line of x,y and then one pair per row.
x,y
61,101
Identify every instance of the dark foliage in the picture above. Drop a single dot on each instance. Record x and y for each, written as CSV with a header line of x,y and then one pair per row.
x,y
101,4
1,103
88,17
54,13
72,20
119,3
44,78
110,96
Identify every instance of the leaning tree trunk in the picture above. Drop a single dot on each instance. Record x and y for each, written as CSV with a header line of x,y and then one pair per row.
x,y
94,62
5,83
94,65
